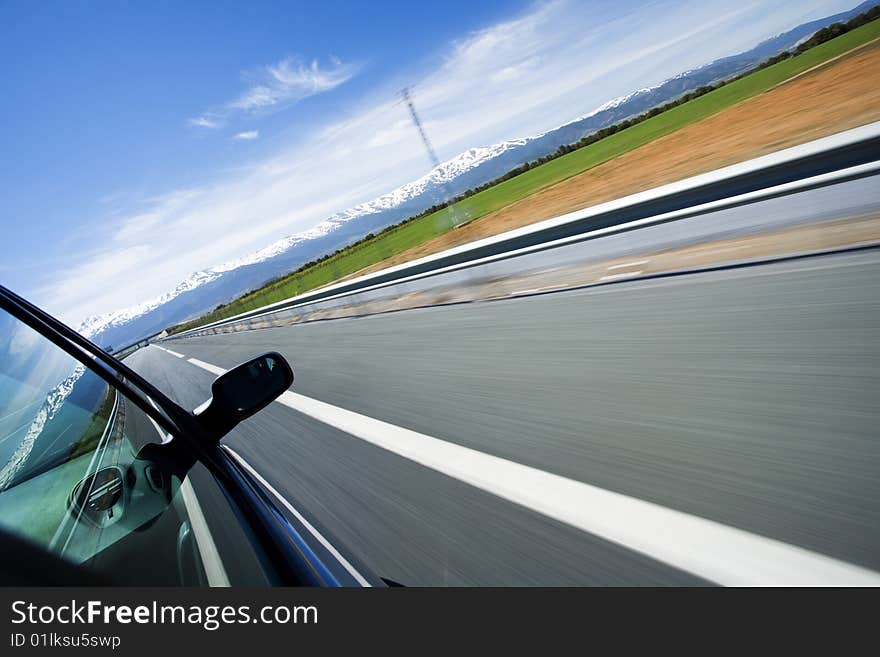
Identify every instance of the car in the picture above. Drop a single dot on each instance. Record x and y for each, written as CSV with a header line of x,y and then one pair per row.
x,y
104,480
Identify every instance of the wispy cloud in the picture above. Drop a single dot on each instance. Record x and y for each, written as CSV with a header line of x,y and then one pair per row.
x,y
291,80
249,134
204,122
278,86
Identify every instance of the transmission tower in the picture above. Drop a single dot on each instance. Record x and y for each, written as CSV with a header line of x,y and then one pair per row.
x,y
407,98
455,214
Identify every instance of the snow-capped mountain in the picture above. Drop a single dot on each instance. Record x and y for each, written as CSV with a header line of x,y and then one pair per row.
x,y
50,406
96,324
204,290
441,175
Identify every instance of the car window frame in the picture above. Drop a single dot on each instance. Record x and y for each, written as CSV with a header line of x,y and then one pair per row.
x,y
172,418
288,556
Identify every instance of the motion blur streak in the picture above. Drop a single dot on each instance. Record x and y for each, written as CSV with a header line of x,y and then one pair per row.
x,y
746,397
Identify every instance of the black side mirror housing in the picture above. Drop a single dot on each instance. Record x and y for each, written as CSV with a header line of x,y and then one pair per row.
x,y
243,391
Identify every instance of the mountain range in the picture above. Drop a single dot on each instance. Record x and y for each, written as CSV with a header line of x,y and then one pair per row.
x,y
205,289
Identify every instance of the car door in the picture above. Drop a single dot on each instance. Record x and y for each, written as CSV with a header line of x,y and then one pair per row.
x,y
102,475
76,479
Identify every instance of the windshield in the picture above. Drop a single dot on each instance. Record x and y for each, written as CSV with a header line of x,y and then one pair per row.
x,y
71,480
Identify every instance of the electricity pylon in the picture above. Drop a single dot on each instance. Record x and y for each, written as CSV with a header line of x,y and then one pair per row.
x,y
455,213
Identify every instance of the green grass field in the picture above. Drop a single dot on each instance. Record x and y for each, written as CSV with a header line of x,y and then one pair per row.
x,y
373,250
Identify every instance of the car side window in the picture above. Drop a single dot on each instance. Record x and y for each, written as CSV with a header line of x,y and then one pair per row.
x,y
71,481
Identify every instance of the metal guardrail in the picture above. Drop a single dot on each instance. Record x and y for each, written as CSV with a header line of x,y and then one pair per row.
x,y
846,155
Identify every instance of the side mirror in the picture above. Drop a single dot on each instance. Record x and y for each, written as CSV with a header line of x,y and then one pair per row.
x,y
242,391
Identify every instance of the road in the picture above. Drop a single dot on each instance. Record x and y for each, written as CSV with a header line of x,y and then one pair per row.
x,y
745,397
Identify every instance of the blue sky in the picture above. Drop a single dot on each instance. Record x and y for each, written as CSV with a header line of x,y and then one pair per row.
x,y
145,141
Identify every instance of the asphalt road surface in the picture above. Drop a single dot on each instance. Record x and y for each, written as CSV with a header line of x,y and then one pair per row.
x,y
745,397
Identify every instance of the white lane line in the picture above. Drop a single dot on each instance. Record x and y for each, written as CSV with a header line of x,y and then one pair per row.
x,y
213,369
611,277
320,537
210,556
634,263
708,549
168,351
214,570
